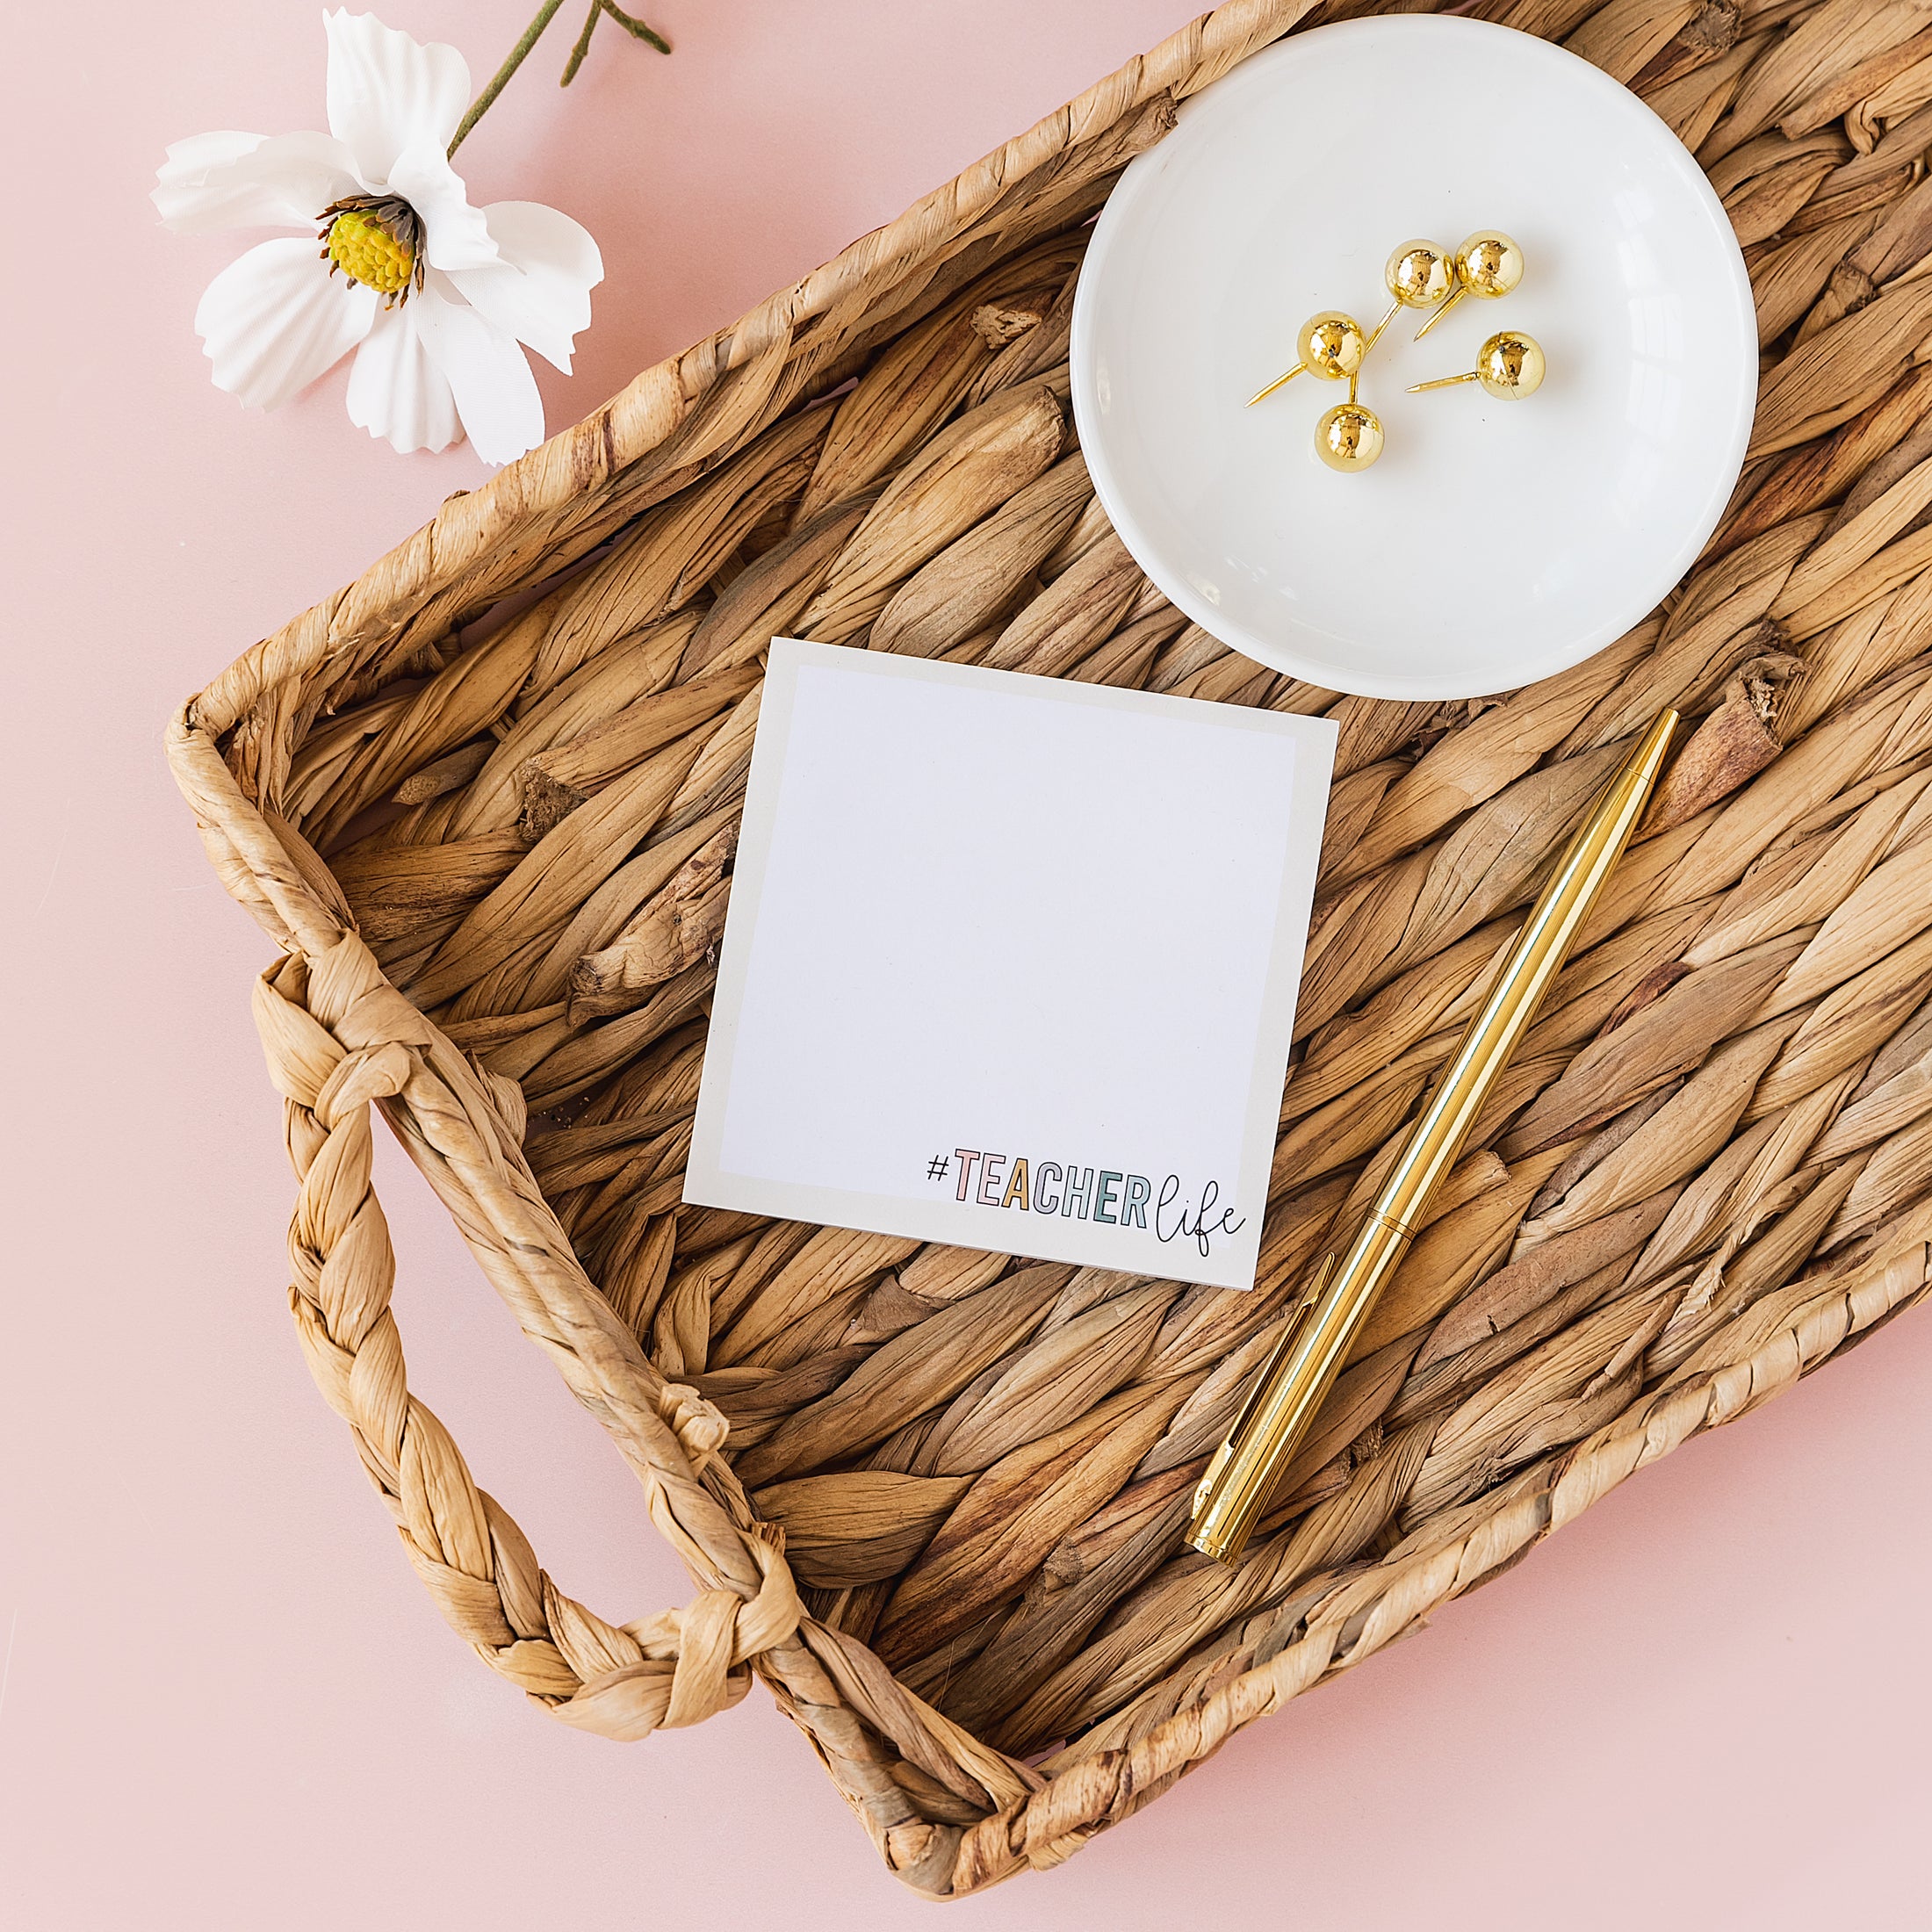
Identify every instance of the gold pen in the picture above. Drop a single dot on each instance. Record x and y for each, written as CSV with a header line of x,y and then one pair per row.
x,y
1235,1491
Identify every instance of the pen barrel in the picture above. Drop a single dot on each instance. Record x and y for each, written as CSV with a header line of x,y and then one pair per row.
x,y
1533,961
1240,1483
1242,1477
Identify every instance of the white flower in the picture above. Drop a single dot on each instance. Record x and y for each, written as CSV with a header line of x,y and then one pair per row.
x,y
433,295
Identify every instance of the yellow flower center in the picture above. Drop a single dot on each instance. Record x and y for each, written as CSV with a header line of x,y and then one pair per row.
x,y
375,240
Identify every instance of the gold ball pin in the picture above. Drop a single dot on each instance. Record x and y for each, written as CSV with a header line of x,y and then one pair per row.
x,y
1508,366
1489,265
1416,275
1349,437
1331,345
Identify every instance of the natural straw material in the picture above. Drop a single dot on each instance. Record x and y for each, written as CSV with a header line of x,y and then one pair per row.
x,y
485,801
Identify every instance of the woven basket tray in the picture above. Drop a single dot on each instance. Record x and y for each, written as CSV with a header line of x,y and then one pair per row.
x,y
482,800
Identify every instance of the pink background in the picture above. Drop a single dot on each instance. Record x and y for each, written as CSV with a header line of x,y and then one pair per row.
x,y
225,1700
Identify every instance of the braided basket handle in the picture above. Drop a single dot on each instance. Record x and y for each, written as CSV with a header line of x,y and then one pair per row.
x,y
619,1681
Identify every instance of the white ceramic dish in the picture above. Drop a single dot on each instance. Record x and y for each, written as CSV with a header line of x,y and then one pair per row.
x,y
1494,543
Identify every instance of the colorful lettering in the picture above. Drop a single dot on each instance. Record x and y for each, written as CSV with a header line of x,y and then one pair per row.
x,y
1105,1194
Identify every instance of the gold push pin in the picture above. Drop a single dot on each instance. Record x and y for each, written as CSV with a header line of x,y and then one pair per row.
x,y
1509,366
1331,345
1489,265
1416,275
1349,437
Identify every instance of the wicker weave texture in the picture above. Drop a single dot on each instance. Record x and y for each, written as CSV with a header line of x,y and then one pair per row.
x,y
485,801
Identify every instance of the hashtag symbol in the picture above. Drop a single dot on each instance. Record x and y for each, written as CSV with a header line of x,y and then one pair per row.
x,y
935,1168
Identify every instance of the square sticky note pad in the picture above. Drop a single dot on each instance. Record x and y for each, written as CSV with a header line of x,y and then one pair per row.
x,y
1010,962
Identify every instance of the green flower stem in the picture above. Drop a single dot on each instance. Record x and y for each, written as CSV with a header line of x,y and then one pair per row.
x,y
583,46
481,104
533,33
634,28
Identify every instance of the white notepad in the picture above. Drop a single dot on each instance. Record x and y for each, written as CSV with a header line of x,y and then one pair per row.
x,y
1010,962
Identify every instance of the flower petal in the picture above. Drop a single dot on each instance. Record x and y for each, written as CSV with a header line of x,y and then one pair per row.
x,y
246,181
495,391
272,321
539,290
387,93
396,391
455,236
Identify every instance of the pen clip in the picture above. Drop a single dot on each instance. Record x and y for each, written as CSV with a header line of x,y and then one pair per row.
x,y
1315,1285
1301,1314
